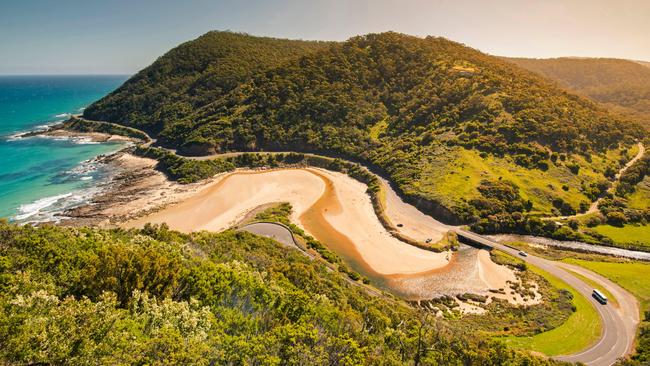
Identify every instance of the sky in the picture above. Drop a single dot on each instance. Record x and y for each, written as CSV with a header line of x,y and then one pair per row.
x,y
123,36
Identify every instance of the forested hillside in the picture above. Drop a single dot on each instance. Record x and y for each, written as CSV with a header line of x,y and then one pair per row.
x,y
428,112
157,297
622,85
193,74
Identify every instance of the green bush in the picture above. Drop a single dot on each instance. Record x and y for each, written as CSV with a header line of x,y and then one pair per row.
x,y
154,296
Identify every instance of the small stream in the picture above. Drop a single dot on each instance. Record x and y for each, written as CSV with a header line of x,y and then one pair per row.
x,y
460,276
572,245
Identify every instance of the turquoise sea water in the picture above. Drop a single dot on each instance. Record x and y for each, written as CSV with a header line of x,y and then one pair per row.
x,y
40,176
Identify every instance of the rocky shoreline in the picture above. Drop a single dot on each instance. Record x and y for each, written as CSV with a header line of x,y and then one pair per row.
x,y
136,189
133,189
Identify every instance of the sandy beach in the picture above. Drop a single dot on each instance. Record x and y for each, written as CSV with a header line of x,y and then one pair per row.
x,y
351,213
330,206
222,203
136,190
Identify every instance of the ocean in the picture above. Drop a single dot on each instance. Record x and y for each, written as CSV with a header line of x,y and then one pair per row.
x,y
42,176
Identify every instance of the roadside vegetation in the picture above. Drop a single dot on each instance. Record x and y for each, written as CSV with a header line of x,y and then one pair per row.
x,y
632,276
578,332
629,235
154,296
82,125
621,220
623,214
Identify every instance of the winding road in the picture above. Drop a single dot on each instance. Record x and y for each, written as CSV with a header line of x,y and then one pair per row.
x,y
619,323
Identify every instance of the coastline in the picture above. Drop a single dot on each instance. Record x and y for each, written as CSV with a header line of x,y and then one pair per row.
x,y
98,137
137,189
90,177
97,203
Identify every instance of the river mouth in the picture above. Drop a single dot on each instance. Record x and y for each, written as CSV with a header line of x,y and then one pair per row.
x,y
337,211
460,275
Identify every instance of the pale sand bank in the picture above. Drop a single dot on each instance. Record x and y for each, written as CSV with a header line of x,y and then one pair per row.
x,y
223,203
501,277
356,219
493,275
415,224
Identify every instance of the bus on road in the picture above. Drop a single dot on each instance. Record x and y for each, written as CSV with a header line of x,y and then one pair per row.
x,y
600,297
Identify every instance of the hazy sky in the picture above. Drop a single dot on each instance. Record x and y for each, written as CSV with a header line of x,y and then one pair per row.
x,y
122,36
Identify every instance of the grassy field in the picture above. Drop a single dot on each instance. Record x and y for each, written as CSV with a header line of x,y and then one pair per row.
x,y
633,276
458,180
637,235
640,199
579,331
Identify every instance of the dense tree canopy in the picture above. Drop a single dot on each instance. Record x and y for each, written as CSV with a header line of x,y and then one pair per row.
x,y
192,75
622,85
388,100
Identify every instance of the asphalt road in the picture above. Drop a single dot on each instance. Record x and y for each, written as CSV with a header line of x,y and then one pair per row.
x,y
619,323
272,230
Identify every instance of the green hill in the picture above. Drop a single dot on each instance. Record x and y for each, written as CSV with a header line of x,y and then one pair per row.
x,y
462,134
192,75
622,85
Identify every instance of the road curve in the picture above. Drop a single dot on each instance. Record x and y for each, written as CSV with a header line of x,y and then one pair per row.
x,y
619,325
273,230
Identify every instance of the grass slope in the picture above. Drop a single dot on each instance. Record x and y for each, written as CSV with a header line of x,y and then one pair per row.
x,y
579,331
640,199
633,276
636,235
455,176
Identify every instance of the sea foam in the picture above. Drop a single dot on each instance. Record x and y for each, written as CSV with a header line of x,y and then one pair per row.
x,y
30,209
